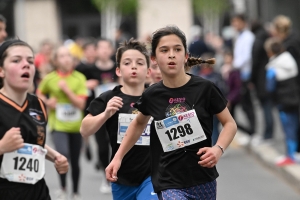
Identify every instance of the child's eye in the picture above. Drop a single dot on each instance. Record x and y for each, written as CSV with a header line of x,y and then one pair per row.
x,y
16,61
141,63
163,50
127,63
178,49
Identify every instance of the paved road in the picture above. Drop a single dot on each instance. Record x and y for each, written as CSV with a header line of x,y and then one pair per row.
x,y
242,177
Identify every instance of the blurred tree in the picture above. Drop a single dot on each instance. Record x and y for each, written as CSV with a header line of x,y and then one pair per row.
x,y
111,14
210,12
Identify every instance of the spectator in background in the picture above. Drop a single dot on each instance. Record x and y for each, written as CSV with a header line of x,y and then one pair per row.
x,y
3,33
258,78
198,46
282,29
232,78
207,71
282,75
242,60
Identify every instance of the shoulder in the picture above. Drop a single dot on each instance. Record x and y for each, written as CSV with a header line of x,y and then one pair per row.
x,y
78,75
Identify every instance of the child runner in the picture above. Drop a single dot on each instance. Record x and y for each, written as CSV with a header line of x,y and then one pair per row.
x,y
67,93
23,123
182,106
114,110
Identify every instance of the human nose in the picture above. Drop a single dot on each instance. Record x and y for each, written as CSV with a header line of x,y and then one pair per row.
x,y
133,66
171,54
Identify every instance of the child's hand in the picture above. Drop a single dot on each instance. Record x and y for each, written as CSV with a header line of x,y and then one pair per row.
x,y
113,105
62,85
11,141
209,156
61,164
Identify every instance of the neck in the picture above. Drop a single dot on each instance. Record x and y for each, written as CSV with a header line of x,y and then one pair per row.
x,y
18,97
104,64
176,81
133,90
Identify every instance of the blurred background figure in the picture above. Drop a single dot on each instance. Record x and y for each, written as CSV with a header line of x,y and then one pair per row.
x,y
42,61
104,71
232,78
207,71
3,33
281,28
258,78
242,60
85,66
282,75
76,49
64,93
197,47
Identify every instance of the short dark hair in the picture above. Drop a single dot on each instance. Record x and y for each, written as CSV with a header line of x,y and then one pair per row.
x,y
2,19
134,45
239,16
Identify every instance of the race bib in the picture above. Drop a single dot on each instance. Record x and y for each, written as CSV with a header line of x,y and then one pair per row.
x,y
124,121
103,88
178,131
68,113
25,165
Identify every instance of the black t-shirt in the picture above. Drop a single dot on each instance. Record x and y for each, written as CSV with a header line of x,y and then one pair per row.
x,y
31,117
180,168
87,70
103,76
135,166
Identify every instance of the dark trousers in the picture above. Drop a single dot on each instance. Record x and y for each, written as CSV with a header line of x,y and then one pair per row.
x,y
267,107
248,108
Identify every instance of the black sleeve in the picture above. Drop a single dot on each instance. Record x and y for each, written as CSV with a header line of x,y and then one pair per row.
x,y
217,101
98,105
141,104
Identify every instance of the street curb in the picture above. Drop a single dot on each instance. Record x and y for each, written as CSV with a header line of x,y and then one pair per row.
x,y
267,155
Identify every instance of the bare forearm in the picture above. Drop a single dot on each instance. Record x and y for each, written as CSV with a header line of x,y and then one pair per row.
x,y
227,134
51,153
91,124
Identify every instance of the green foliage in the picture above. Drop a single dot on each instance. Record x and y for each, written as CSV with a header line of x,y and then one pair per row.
x,y
126,7
214,6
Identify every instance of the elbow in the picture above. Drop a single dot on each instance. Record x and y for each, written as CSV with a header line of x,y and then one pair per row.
x,y
83,132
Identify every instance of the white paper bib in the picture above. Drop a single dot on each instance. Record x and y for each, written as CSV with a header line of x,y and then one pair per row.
x,y
178,131
124,121
25,165
68,113
103,88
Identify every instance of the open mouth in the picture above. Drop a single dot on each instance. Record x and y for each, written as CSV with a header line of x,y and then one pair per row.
x,y
171,63
134,73
25,75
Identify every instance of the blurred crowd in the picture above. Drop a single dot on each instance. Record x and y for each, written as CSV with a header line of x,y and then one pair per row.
x,y
253,62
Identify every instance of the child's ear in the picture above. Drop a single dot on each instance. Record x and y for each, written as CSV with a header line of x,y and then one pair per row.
x,y
1,72
118,72
186,57
153,59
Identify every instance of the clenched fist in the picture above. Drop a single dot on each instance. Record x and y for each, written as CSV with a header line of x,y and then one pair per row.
x,y
11,141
